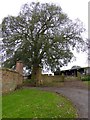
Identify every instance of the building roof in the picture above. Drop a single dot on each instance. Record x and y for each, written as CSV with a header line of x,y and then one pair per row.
x,y
76,68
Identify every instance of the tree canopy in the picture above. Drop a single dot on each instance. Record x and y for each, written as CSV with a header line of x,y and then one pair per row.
x,y
41,34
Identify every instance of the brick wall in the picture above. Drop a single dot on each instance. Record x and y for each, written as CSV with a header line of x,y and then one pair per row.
x,y
10,80
44,78
51,78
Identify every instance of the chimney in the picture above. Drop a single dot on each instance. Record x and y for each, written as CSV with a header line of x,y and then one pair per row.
x,y
19,67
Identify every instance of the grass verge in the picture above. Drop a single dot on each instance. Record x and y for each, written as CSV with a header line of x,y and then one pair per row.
x,y
32,103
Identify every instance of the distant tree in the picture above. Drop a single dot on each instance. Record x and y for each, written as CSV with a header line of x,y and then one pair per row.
x,y
42,34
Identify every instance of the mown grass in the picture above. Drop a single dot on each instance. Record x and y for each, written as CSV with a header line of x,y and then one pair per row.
x,y
32,103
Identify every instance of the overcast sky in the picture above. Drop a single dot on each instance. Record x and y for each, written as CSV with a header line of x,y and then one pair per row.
x,y
73,8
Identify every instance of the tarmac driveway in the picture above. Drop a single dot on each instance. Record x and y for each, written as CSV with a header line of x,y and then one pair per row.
x,y
79,98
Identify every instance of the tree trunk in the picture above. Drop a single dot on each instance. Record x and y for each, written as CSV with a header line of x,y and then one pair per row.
x,y
35,73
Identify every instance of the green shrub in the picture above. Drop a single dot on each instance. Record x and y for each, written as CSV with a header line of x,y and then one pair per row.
x,y
85,78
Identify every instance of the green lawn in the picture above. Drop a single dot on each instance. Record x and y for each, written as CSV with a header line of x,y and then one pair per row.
x,y
32,103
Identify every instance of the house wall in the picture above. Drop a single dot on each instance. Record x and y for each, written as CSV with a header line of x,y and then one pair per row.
x,y
10,80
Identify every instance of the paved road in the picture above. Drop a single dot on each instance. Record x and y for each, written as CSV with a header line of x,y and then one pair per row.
x,y
78,96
